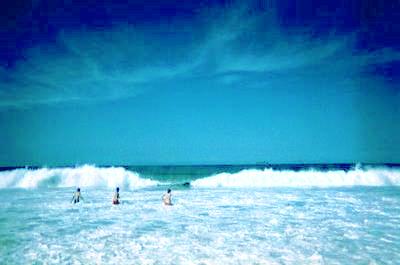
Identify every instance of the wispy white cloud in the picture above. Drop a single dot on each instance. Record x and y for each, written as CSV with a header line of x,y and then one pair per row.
x,y
98,65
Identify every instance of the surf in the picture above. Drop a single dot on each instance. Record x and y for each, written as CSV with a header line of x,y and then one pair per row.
x,y
81,176
217,176
266,178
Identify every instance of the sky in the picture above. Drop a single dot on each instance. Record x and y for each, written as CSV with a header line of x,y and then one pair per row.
x,y
199,82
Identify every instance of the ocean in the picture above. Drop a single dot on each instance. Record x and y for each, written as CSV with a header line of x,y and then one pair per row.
x,y
226,214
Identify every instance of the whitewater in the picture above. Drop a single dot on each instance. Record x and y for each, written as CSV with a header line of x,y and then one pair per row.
x,y
341,214
92,176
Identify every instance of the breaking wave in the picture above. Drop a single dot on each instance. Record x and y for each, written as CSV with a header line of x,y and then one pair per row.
x,y
92,176
83,176
307,178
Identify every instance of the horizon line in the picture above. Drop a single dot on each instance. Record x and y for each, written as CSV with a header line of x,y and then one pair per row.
x,y
199,164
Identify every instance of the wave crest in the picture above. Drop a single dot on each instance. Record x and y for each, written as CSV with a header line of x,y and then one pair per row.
x,y
92,176
256,178
83,176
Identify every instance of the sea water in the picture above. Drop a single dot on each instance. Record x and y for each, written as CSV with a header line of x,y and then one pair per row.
x,y
292,214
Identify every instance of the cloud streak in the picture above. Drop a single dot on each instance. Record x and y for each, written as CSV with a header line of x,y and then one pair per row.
x,y
224,46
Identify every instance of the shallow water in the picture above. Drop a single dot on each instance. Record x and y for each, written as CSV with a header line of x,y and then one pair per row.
x,y
357,225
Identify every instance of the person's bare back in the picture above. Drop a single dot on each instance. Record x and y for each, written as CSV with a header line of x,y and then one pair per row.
x,y
167,198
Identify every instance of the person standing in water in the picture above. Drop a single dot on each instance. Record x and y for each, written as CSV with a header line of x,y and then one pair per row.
x,y
77,196
116,196
167,198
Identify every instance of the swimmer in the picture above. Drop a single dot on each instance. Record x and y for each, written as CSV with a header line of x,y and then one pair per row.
x,y
77,196
115,199
167,198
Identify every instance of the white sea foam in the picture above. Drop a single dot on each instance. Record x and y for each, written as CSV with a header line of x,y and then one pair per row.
x,y
205,226
306,178
83,176
92,176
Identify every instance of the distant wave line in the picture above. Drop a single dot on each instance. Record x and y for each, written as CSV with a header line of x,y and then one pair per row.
x,y
92,176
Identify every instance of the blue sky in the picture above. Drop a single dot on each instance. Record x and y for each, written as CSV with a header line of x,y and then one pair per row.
x,y
199,82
